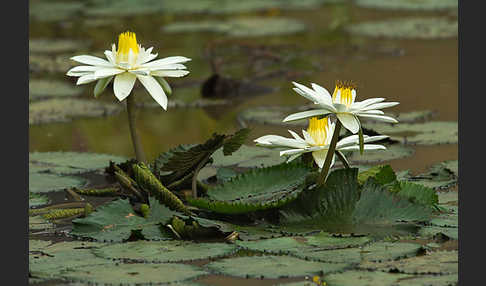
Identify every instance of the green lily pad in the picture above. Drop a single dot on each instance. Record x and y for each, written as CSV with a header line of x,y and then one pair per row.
x,y
364,278
432,231
53,11
242,27
63,110
39,223
39,88
281,245
421,28
439,262
257,189
37,200
69,163
36,245
445,220
422,5
134,273
447,197
392,152
164,251
384,251
272,267
41,182
325,240
42,63
46,46
427,133
63,256
431,280
248,156
439,176
414,116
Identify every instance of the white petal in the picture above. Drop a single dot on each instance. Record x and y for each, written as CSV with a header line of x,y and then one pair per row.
x,y
324,95
167,61
320,158
308,138
82,70
155,90
86,79
123,85
279,141
296,136
166,67
292,152
306,114
379,105
365,103
90,60
379,118
354,140
140,71
106,72
169,73
366,147
375,112
349,121
110,56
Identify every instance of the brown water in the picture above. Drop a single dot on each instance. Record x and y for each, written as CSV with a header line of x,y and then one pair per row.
x,y
420,74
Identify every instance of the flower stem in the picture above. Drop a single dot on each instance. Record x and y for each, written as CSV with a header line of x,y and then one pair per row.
x,y
137,145
321,180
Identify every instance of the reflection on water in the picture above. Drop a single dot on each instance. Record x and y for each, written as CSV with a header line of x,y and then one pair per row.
x,y
420,74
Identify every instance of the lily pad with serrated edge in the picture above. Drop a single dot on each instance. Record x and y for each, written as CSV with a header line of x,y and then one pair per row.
x,y
40,88
59,257
384,251
364,278
412,5
164,251
408,28
41,182
64,110
269,266
324,240
281,245
134,273
248,156
437,262
427,133
433,231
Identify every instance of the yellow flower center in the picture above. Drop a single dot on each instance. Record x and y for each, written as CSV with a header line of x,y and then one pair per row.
x,y
318,129
126,41
343,93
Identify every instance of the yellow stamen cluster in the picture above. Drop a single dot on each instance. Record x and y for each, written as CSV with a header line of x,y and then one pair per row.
x,y
345,88
318,130
127,41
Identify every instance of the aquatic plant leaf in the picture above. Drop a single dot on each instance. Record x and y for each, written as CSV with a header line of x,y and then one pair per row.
x,y
434,231
42,183
364,278
423,5
39,223
384,251
55,259
447,197
382,174
164,251
281,245
37,200
325,240
134,273
438,262
225,174
426,133
431,280
240,27
64,110
248,156
257,189
41,88
111,222
234,142
421,28
418,193
269,266
440,176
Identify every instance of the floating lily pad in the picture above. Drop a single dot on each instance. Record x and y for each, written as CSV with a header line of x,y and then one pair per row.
x,y
439,176
281,245
53,11
427,133
422,5
63,110
414,116
384,251
325,240
37,200
378,156
445,220
60,257
41,63
431,280
432,231
248,156
39,223
439,262
41,183
36,245
243,27
39,88
447,197
164,251
134,273
364,278
46,46
272,267
422,28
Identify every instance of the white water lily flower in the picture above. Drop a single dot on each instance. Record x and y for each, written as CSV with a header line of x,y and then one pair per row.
x,y
342,104
127,63
317,139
